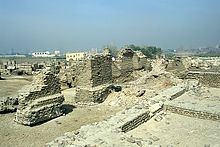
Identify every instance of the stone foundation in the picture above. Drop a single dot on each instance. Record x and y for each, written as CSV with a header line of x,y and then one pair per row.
x,y
138,115
209,79
192,113
93,94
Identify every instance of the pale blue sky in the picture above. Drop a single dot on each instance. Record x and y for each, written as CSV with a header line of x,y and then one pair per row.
x,y
28,25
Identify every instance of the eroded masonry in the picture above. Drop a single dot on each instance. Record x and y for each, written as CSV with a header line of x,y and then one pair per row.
x,y
186,98
149,92
93,79
40,101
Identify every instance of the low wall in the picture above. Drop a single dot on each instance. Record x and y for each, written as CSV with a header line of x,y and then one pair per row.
x,y
209,79
192,113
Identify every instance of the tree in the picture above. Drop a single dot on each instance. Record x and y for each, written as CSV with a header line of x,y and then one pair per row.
x,y
149,51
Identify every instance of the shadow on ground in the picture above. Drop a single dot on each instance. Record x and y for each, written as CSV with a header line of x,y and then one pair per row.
x,y
67,108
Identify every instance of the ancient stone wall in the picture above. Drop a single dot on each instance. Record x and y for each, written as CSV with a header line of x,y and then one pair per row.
x,y
192,113
209,79
126,65
101,70
125,60
142,116
170,93
41,100
176,67
96,70
93,78
123,67
116,70
139,61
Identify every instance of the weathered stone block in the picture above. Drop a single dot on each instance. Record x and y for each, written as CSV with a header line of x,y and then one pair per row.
x,y
40,101
40,111
93,94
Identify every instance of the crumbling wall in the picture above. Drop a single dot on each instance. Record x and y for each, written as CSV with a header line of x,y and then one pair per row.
x,y
177,67
25,68
123,66
209,79
96,70
116,70
41,100
126,65
139,61
126,62
93,78
192,112
101,70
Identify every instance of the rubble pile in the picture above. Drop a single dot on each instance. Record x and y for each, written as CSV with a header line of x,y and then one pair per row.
x,y
148,85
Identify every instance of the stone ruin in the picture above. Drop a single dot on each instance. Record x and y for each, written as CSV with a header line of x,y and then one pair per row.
x,y
126,62
184,69
110,131
119,70
93,78
40,101
176,66
94,71
206,78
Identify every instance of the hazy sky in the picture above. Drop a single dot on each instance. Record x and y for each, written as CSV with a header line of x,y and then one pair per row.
x,y
28,25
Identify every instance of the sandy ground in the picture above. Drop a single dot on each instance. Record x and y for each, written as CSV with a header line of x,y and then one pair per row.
x,y
180,131
173,129
9,87
183,131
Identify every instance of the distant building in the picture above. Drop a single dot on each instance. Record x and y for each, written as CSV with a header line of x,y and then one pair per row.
x,y
57,53
46,54
75,56
42,54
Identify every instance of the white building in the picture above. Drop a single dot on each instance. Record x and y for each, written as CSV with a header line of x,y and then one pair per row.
x,y
41,54
46,54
